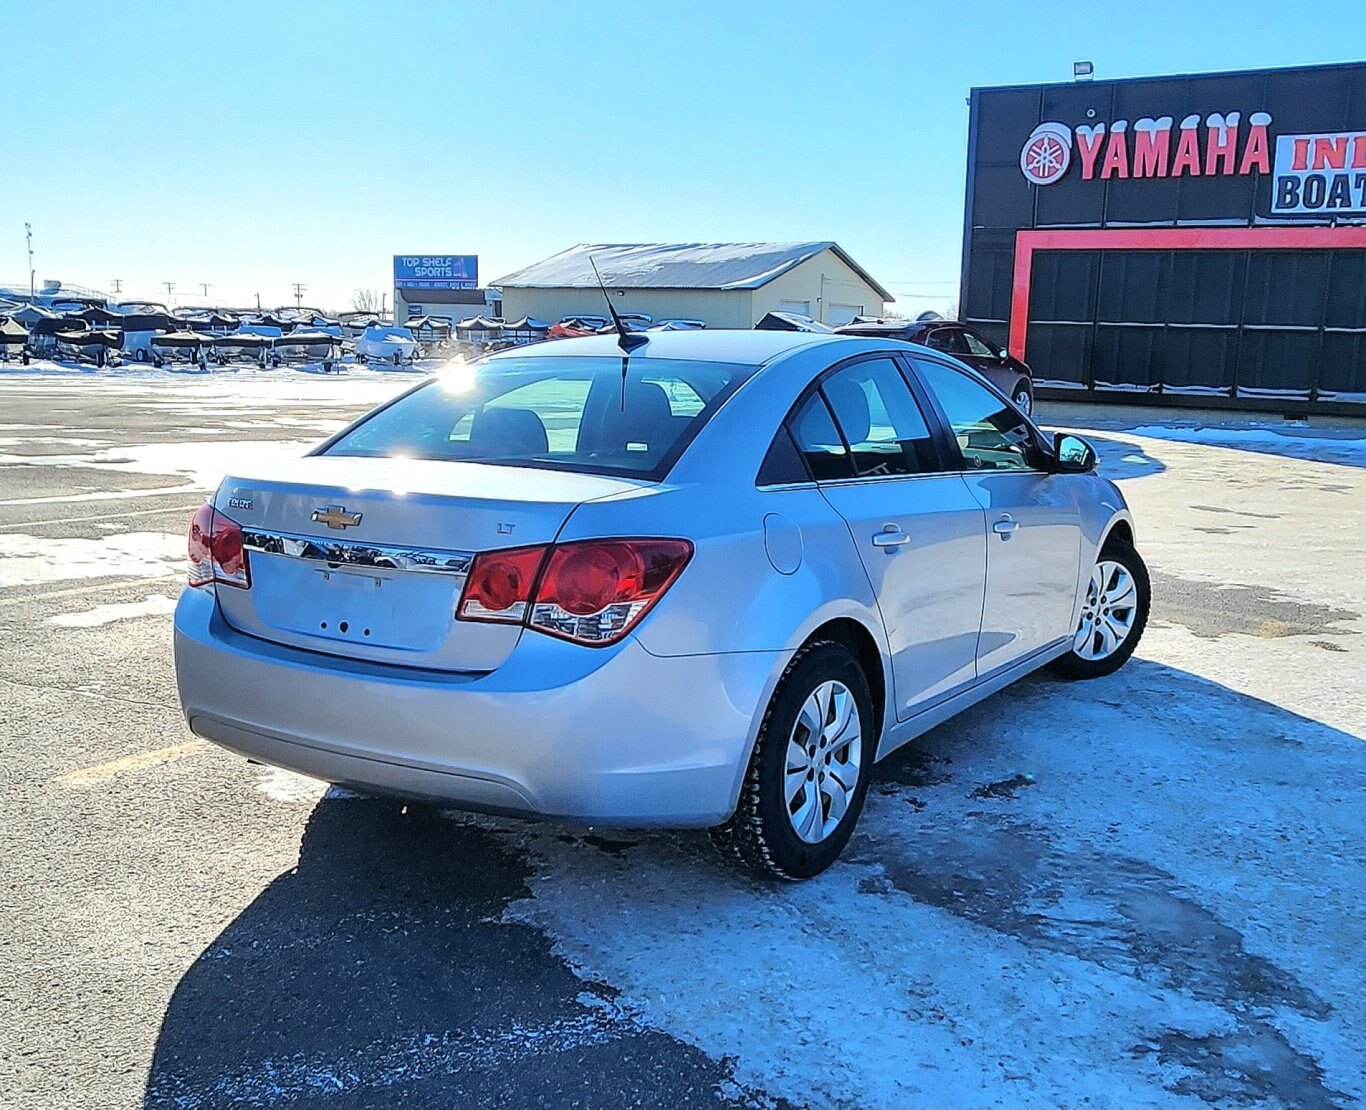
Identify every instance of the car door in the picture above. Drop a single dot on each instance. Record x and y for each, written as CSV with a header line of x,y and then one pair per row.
x,y
1033,522
919,532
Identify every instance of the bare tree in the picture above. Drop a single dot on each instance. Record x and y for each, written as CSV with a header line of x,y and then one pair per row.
x,y
366,300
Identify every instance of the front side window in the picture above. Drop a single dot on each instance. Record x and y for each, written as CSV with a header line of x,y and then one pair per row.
x,y
557,412
990,434
977,347
883,426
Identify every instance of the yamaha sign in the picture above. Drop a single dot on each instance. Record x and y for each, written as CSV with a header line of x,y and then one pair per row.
x,y
1320,173
1191,239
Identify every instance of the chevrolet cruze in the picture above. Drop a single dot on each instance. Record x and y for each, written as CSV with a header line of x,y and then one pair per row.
x,y
705,582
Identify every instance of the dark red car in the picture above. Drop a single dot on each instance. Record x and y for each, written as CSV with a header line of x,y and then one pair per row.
x,y
1008,374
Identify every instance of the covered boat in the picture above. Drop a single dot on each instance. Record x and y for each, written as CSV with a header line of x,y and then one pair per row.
x,y
240,347
181,346
791,321
305,345
13,338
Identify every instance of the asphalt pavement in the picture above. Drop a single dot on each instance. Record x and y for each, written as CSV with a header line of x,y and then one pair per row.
x,y
180,929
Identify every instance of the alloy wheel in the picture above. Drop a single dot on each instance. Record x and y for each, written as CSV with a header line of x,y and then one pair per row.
x,y
1024,402
1108,613
824,754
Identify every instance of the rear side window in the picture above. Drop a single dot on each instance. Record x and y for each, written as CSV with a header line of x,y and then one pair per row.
x,y
819,441
950,340
553,412
883,426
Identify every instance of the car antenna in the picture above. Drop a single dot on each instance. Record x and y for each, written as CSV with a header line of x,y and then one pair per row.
x,y
625,340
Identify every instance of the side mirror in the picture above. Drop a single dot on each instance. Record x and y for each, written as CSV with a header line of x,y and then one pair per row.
x,y
1072,454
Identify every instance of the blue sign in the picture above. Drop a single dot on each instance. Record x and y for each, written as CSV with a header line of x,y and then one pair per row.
x,y
436,271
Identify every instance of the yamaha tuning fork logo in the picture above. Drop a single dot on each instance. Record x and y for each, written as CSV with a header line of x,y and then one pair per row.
x,y
1047,153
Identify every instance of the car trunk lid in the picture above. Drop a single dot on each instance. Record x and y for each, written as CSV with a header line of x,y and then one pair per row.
x,y
366,557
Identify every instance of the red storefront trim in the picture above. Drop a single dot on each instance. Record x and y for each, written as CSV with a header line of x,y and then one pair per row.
x,y
1160,238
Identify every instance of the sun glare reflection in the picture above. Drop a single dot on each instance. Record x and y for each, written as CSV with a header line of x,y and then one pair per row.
x,y
457,376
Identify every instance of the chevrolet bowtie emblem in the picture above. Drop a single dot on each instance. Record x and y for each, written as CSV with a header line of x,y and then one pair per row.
x,y
334,516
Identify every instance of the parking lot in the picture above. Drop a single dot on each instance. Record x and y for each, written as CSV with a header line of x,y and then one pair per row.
x,y
1143,890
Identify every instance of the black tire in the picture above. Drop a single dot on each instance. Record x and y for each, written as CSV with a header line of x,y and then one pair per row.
x,y
1073,665
760,835
1023,395
139,355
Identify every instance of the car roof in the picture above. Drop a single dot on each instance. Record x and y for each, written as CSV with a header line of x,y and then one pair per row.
x,y
889,327
738,347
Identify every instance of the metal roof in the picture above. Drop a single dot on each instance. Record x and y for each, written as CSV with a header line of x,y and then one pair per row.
x,y
676,266
736,346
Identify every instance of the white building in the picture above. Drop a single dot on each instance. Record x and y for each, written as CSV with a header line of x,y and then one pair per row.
x,y
727,285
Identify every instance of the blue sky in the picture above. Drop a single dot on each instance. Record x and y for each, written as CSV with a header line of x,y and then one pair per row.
x,y
251,145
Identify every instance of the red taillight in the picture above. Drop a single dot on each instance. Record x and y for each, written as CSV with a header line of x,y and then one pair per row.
x,y
216,552
591,591
500,584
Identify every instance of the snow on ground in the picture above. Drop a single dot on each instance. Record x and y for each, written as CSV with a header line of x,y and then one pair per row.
x,y
1138,891
27,560
1144,890
151,605
1343,445
226,390
203,462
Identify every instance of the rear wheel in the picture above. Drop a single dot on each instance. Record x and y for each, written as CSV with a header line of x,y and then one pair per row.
x,y
808,776
1023,397
1113,613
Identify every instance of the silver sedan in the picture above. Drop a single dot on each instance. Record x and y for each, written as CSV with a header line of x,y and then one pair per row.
x,y
706,582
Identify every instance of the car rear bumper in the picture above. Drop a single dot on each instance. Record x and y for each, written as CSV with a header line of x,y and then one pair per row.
x,y
611,736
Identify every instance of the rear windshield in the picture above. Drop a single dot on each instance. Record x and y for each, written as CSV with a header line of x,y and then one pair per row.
x,y
559,413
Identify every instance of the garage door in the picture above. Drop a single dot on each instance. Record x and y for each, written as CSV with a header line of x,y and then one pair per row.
x,y
837,314
802,308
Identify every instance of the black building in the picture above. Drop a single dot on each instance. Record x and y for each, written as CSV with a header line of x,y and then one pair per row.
x,y
1189,240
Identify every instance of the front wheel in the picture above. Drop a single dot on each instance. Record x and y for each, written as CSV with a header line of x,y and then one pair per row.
x,y
1023,398
1113,614
808,776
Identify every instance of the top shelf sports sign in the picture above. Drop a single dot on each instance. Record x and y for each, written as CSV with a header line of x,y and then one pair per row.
x,y
1320,174
436,271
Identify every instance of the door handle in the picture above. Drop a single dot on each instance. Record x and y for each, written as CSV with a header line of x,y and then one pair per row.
x,y
1005,528
891,536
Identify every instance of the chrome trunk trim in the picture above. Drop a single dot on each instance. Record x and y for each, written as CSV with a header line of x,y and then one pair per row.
x,y
338,553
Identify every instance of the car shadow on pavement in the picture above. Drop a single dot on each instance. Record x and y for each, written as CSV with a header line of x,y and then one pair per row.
x,y
377,973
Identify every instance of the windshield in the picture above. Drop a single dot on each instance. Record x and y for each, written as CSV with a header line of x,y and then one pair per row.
x,y
552,412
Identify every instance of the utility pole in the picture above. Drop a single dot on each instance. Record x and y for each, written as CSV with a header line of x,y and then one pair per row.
x,y
204,285
258,302
118,285
169,286
28,236
299,293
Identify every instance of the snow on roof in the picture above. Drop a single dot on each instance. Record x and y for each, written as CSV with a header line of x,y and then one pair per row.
x,y
675,266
